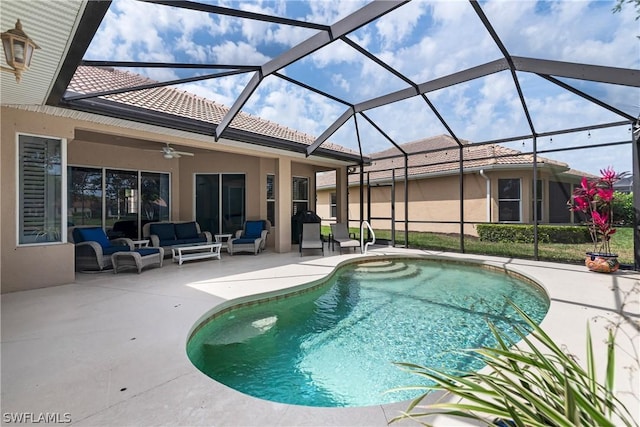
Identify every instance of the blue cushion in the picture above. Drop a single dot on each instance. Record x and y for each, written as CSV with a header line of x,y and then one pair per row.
x,y
253,229
147,251
244,240
182,241
93,234
113,249
164,230
186,230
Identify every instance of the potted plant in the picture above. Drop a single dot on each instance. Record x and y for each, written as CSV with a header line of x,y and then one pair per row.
x,y
594,198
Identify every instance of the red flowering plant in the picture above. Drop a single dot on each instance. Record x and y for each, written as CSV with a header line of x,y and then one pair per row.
x,y
594,198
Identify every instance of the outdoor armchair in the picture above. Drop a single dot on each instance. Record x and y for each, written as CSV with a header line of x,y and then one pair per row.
x,y
93,249
252,238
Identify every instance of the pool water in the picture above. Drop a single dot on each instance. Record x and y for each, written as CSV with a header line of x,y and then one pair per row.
x,y
335,345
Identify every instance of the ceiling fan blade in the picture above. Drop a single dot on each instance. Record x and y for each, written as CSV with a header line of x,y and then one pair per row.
x,y
184,153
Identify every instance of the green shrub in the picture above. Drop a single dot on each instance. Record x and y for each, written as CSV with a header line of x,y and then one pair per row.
x,y
520,233
623,208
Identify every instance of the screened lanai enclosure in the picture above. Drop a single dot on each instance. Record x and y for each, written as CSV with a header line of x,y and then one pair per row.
x,y
460,112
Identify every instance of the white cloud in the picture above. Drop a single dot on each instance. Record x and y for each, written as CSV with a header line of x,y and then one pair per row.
x,y
278,101
339,80
328,12
240,53
394,27
224,90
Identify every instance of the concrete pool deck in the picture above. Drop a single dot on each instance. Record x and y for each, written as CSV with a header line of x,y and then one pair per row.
x,y
109,350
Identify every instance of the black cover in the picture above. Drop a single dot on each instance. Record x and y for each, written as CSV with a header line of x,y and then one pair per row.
x,y
300,218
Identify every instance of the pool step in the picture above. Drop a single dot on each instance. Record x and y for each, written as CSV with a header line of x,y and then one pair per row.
x,y
396,271
380,266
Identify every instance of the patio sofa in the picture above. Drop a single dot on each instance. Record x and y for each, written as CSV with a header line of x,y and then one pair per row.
x,y
165,234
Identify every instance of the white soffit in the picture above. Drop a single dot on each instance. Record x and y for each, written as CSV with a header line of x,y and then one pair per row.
x,y
52,29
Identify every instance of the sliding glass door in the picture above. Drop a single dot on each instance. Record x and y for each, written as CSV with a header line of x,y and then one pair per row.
x,y
220,202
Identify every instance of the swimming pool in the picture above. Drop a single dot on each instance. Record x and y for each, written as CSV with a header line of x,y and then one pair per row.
x,y
335,344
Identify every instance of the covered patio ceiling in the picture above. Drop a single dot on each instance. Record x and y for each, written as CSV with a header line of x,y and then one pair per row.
x,y
421,68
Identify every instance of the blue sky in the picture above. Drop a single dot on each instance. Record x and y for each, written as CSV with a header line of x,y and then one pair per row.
x,y
423,40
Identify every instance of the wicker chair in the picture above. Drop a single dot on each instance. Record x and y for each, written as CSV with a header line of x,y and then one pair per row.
x,y
93,249
252,238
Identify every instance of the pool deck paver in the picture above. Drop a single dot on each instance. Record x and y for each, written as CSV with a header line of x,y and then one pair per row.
x,y
109,350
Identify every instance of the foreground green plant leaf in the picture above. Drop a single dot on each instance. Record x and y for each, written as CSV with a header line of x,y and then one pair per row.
x,y
533,383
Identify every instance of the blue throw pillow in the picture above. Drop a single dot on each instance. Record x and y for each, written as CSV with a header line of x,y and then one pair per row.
x,y
186,230
93,234
164,230
253,229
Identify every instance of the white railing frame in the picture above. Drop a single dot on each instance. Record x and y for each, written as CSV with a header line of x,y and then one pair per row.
x,y
363,246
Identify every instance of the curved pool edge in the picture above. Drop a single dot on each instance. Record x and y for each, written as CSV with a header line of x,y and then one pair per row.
x,y
287,291
250,299
572,304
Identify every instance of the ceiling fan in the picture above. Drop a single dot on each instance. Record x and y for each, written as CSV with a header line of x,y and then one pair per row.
x,y
169,152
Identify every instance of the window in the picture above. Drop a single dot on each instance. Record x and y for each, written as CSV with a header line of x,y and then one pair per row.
x,y
559,193
121,193
271,199
126,209
509,200
40,184
540,212
154,199
85,196
300,194
333,205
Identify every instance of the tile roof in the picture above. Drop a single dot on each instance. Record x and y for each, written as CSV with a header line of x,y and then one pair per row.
x,y
173,101
440,155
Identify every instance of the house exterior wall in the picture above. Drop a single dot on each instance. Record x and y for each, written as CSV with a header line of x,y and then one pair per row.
x,y
435,200
28,267
56,260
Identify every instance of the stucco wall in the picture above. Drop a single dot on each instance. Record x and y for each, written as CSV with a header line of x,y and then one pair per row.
x,y
437,199
55,262
35,266
434,199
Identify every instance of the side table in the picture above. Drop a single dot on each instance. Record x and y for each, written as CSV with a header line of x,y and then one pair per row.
x,y
223,239
141,243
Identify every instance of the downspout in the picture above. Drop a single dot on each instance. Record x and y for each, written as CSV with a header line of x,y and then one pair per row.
x,y
482,174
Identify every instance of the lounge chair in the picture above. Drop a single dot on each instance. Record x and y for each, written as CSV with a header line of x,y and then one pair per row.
x,y
311,238
340,235
253,238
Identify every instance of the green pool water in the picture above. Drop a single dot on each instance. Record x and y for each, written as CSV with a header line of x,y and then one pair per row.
x,y
335,345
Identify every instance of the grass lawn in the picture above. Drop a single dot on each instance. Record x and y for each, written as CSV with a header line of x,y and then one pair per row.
x,y
621,243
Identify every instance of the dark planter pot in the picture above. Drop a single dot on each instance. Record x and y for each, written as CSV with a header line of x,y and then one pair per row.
x,y
602,262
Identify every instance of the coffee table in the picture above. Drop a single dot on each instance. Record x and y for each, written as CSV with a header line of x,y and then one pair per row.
x,y
182,253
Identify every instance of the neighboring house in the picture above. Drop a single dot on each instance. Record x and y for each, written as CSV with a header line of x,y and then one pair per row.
x,y
63,167
625,185
498,187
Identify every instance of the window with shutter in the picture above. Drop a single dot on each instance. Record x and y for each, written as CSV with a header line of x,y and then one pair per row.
x,y
300,194
40,190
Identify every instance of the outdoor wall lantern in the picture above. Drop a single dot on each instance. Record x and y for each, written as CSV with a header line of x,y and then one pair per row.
x,y
18,50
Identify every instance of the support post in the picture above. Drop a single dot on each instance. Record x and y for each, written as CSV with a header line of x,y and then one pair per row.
x,y
283,205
